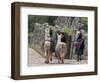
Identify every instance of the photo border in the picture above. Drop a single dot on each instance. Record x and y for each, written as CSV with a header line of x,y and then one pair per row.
x,y
15,40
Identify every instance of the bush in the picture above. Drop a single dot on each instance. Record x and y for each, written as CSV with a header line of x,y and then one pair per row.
x,y
68,30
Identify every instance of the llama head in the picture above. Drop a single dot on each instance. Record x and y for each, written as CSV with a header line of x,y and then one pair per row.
x,y
47,32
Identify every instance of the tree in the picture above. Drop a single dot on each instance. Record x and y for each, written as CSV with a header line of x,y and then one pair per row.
x,y
32,19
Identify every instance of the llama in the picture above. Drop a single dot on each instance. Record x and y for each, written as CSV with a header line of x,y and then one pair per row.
x,y
60,49
47,46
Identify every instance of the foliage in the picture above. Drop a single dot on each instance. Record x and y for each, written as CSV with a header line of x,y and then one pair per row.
x,y
85,22
67,30
32,19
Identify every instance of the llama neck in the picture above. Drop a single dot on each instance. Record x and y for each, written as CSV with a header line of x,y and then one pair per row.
x,y
59,38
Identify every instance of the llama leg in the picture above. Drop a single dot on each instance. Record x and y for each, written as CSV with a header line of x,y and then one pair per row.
x,y
58,57
62,58
47,58
50,56
62,61
58,61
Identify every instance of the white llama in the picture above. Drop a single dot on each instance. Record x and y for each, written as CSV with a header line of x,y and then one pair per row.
x,y
60,49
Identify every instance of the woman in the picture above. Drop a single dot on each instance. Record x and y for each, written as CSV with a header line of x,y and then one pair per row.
x,y
79,46
54,38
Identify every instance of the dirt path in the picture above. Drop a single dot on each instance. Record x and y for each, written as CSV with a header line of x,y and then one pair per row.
x,y
36,59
